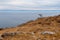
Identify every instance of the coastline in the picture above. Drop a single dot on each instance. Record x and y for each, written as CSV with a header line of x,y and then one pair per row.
x,y
34,30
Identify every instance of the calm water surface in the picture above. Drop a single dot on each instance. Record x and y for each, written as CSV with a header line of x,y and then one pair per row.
x,y
14,18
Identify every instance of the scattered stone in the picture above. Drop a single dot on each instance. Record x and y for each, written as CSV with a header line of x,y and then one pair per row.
x,y
13,33
32,33
8,34
1,38
48,32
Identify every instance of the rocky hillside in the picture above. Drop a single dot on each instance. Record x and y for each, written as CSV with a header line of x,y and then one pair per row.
x,y
46,28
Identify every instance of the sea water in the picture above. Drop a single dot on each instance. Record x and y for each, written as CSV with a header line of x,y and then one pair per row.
x,y
12,18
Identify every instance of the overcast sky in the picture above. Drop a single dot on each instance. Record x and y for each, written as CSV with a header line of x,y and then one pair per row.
x,y
29,4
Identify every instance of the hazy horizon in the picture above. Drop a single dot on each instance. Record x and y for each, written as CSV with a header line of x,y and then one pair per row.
x,y
15,12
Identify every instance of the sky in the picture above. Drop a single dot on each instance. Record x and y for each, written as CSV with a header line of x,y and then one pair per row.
x,y
29,4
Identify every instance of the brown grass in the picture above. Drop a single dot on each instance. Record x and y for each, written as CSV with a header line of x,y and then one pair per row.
x,y
34,30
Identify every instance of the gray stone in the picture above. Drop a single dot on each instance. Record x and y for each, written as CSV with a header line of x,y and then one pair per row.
x,y
48,32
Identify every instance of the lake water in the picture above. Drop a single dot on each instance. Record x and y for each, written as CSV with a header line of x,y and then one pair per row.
x,y
14,18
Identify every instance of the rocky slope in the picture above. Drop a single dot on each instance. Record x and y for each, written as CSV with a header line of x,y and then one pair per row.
x,y
46,28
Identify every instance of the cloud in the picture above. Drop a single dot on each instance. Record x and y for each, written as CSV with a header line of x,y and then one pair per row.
x,y
30,4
